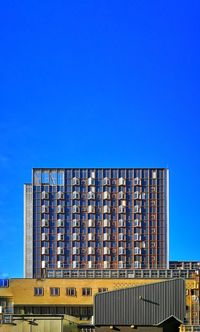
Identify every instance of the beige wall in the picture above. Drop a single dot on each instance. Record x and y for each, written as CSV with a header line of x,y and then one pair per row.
x,y
41,325
22,290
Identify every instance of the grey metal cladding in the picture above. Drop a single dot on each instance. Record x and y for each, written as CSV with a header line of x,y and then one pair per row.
x,y
142,305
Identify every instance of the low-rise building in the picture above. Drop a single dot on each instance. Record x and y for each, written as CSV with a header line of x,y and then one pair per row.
x,y
75,296
155,307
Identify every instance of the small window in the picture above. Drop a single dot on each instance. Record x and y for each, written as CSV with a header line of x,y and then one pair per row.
x,y
86,291
71,291
54,291
101,290
38,291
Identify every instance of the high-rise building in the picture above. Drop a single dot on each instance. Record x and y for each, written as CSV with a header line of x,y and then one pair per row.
x,y
96,218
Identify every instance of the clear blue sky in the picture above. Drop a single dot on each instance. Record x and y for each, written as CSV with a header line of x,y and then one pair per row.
x,y
100,84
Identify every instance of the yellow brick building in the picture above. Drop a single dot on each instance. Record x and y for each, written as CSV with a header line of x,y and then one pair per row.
x,y
74,297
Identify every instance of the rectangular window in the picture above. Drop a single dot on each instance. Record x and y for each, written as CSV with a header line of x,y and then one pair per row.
x,y
71,291
86,291
54,291
38,291
101,290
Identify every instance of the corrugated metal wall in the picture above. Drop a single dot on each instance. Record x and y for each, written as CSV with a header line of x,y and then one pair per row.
x,y
144,305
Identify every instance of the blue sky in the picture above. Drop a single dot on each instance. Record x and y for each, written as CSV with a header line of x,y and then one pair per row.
x,y
99,84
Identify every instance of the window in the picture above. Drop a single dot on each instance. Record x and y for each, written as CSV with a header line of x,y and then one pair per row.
x,y
38,291
54,291
71,291
4,283
101,290
86,291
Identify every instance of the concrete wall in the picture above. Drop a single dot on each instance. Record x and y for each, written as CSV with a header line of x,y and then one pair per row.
x,y
40,325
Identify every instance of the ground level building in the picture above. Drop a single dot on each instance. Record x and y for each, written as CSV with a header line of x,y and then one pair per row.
x,y
75,297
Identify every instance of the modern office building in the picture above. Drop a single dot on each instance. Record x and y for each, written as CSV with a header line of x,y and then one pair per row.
x,y
96,219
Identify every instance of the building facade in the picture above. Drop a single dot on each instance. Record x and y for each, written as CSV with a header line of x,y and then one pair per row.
x,y
112,219
184,265
75,297
158,307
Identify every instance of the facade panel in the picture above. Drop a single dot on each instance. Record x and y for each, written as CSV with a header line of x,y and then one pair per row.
x,y
99,219
28,231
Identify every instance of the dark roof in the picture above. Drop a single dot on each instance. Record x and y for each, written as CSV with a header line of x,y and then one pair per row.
x,y
147,305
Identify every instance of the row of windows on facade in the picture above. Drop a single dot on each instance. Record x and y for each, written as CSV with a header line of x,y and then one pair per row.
x,y
85,217
99,207
154,187
129,188
76,311
57,176
100,237
99,211
127,243
105,208
70,291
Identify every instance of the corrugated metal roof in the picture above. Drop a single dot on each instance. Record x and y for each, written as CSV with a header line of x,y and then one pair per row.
x,y
143,305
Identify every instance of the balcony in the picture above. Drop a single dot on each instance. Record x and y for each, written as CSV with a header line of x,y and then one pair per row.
x,y
43,264
136,195
45,223
121,195
121,223
91,223
75,265
137,265
60,209
45,209
106,237
122,237
75,181
106,181
60,223
75,251
137,209
91,265
91,209
91,195
137,182
122,181
45,251
75,237
91,181
137,237
121,250
60,195
106,223
106,251
106,209
45,237
137,223
60,264
60,237
137,251
122,209
91,251
75,223
45,195
75,195
106,195
75,209
60,251
91,237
